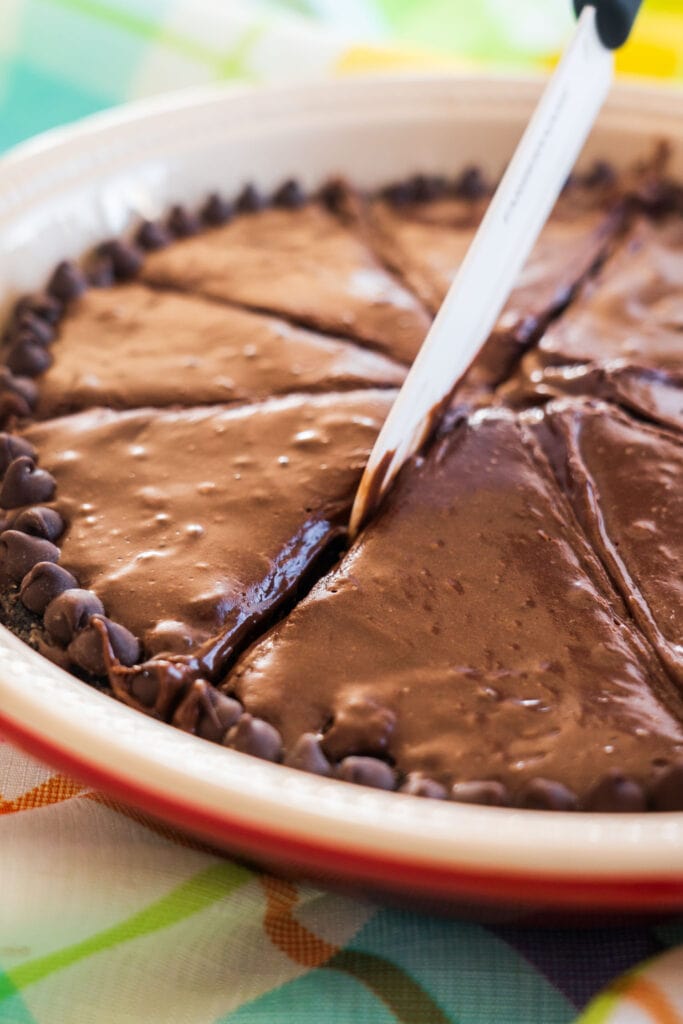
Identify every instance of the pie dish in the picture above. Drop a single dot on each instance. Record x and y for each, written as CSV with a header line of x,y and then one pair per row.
x,y
518,435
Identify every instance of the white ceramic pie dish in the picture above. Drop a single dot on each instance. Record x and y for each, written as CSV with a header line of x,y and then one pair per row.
x,y
70,188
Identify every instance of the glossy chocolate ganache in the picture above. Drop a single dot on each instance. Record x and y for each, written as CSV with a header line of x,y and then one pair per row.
x,y
186,417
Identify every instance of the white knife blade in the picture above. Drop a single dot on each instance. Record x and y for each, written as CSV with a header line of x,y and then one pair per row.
x,y
509,230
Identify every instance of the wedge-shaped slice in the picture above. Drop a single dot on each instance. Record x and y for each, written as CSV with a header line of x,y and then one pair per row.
x,y
426,242
632,310
132,346
470,635
630,316
303,264
194,525
624,481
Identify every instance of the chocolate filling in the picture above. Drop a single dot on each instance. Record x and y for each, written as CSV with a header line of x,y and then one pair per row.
x,y
152,357
621,338
505,631
416,671
192,524
301,263
623,479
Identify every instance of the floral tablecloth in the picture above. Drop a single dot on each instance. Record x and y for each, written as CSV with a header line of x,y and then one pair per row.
x,y
107,917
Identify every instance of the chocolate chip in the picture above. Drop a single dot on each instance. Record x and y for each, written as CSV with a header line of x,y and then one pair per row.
x,y
219,714
216,210
359,727
601,173
289,195
181,223
191,707
488,792
41,304
39,521
471,184
11,447
659,197
12,407
144,687
87,651
87,648
125,646
125,259
417,784
23,387
24,484
399,193
249,200
67,282
254,736
615,793
28,357
546,795
17,396
307,755
207,712
367,771
29,326
667,792
155,686
101,273
152,236
333,195
19,553
427,187
42,584
69,613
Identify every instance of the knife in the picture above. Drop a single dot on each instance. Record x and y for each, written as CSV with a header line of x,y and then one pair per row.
x,y
508,232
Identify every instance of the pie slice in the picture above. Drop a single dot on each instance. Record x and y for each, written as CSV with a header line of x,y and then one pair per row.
x,y
302,264
626,323
187,527
131,346
469,641
624,482
425,242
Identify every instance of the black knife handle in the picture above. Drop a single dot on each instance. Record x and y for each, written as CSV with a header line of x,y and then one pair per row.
x,y
614,19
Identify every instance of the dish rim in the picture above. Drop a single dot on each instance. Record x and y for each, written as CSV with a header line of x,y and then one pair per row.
x,y
320,825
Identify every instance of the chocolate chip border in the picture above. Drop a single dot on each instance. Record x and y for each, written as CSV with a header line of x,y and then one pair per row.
x,y
34,320
74,618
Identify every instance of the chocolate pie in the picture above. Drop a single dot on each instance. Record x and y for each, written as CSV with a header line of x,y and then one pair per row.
x,y
187,416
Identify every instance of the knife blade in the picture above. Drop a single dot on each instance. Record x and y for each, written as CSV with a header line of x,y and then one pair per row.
x,y
510,228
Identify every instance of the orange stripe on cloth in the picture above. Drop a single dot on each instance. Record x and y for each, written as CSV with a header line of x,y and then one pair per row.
x,y
158,827
53,791
286,933
407,1000
649,997
59,788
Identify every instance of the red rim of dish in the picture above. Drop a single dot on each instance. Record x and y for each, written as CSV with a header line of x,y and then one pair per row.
x,y
407,875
